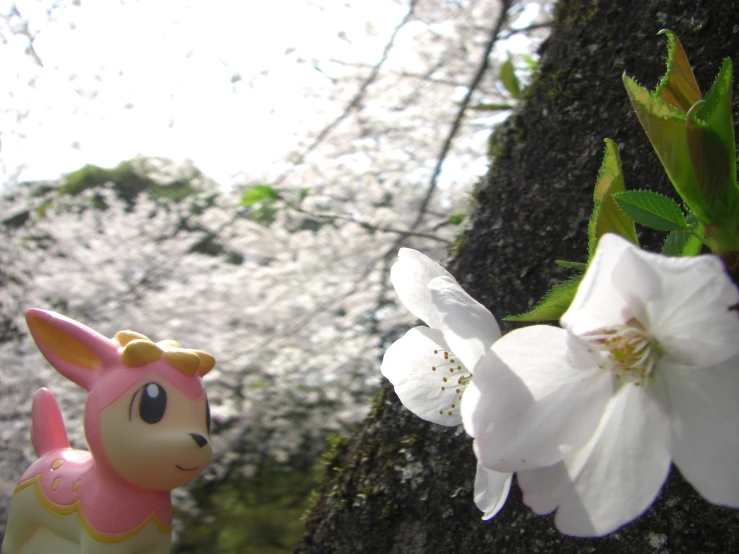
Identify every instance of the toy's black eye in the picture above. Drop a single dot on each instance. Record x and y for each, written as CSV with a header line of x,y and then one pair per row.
x,y
153,403
207,414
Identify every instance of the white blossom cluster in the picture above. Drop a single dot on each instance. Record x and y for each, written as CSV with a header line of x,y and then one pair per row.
x,y
643,372
293,321
272,320
297,311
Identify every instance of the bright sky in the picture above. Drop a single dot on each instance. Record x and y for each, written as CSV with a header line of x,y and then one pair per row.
x,y
205,80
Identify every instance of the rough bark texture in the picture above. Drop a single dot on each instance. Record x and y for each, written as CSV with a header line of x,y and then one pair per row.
x,y
402,485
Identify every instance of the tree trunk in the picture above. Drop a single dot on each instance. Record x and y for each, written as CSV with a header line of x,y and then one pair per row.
x,y
404,485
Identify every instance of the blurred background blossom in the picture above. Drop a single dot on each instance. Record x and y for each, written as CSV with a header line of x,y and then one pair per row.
x,y
239,176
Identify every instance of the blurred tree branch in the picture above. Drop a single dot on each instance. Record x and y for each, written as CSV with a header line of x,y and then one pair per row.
x,y
471,88
389,257
527,29
355,101
22,28
367,225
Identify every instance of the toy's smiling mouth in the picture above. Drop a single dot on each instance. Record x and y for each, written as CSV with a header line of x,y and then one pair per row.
x,y
186,468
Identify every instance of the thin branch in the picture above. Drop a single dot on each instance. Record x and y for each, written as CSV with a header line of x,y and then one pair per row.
x,y
387,258
351,106
532,27
446,146
366,224
25,31
355,101
474,83
426,77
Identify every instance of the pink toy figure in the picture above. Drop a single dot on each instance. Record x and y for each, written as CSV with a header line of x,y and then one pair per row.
x,y
147,425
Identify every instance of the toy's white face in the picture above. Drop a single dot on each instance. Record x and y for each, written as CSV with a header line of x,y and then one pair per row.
x,y
155,436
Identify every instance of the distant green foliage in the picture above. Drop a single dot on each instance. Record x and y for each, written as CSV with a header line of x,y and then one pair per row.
x,y
509,79
492,107
261,514
265,215
17,220
259,194
211,245
260,200
456,219
532,63
128,181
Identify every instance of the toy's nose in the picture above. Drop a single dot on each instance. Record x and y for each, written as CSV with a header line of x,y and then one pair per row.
x,y
199,439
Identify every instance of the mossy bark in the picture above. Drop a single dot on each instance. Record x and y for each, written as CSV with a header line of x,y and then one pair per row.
x,y
404,485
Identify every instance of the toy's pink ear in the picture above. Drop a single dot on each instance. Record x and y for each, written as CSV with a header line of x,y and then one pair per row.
x,y
76,351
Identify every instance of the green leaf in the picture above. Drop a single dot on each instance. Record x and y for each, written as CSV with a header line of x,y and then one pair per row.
x,y
492,107
531,63
259,194
710,133
607,217
571,265
666,128
682,242
693,247
675,242
509,79
651,210
456,219
678,87
717,110
554,303
712,167
265,215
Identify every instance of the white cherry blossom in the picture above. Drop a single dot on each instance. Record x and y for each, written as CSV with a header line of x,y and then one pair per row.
x,y
430,367
491,491
645,372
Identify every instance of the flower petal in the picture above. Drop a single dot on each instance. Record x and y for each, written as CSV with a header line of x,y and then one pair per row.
x,y
410,276
682,302
691,318
705,428
597,304
635,278
616,476
433,395
527,405
468,327
491,490
543,487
